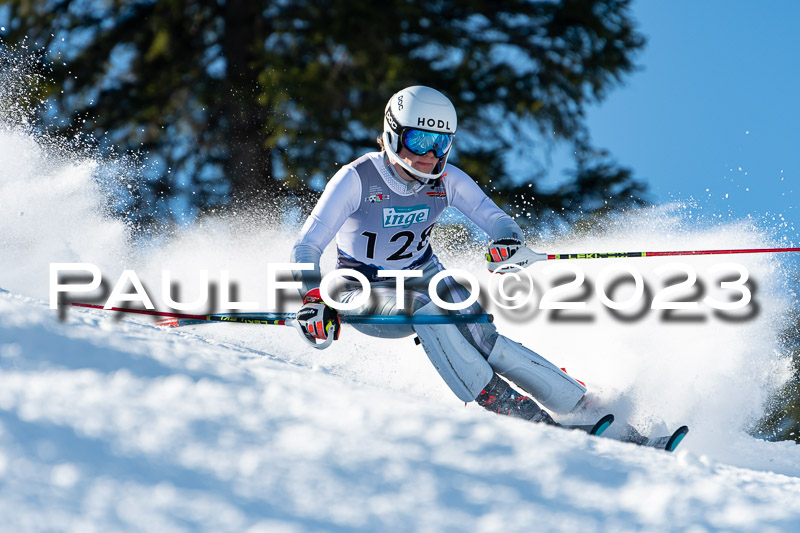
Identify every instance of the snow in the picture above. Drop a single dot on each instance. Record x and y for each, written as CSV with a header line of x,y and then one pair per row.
x,y
115,424
132,427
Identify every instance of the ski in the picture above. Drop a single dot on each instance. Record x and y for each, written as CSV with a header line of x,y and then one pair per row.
x,y
596,429
667,443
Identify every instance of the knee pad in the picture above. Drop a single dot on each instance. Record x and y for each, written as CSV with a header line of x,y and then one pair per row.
x,y
537,376
459,364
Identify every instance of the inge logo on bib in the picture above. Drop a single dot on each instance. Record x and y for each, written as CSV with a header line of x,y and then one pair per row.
x,y
403,217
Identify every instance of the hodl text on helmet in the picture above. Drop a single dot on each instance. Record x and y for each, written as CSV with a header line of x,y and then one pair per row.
x,y
433,123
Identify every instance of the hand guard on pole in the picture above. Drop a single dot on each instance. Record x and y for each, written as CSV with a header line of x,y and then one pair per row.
x,y
317,320
506,252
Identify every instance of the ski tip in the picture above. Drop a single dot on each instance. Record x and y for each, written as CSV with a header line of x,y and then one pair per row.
x,y
602,425
676,438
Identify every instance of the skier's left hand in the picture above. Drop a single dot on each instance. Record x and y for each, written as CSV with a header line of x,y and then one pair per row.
x,y
506,252
501,249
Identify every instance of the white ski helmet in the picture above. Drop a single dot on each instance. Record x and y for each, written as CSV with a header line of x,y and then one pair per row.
x,y
420,119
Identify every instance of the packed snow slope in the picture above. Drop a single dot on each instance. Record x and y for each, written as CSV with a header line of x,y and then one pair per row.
x,y
115,424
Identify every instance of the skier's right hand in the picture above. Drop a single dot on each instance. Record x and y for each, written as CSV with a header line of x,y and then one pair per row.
x,y
317,319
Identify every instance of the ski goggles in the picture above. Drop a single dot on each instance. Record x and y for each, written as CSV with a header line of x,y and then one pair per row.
x,y
421,142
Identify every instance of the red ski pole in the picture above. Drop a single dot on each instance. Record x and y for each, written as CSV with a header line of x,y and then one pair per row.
x,y
613,255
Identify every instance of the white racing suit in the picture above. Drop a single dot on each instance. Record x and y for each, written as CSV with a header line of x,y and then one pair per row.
x,y
382,222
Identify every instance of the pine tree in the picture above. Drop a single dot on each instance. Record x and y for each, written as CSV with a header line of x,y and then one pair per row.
x,y
244,101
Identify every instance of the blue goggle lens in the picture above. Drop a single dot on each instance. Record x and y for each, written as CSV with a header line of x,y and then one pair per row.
x,y
421,142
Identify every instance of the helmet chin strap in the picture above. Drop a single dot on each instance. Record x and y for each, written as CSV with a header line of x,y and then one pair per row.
x,y
413,177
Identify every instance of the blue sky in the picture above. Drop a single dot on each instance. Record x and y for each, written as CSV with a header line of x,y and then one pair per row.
x,y
712,116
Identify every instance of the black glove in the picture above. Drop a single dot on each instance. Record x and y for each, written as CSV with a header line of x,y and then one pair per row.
x,y
317,318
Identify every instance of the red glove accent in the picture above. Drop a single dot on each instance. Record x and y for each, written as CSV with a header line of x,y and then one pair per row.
x,y
316,317
502,249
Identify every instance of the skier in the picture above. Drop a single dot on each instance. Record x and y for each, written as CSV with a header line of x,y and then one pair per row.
x,y
382,208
